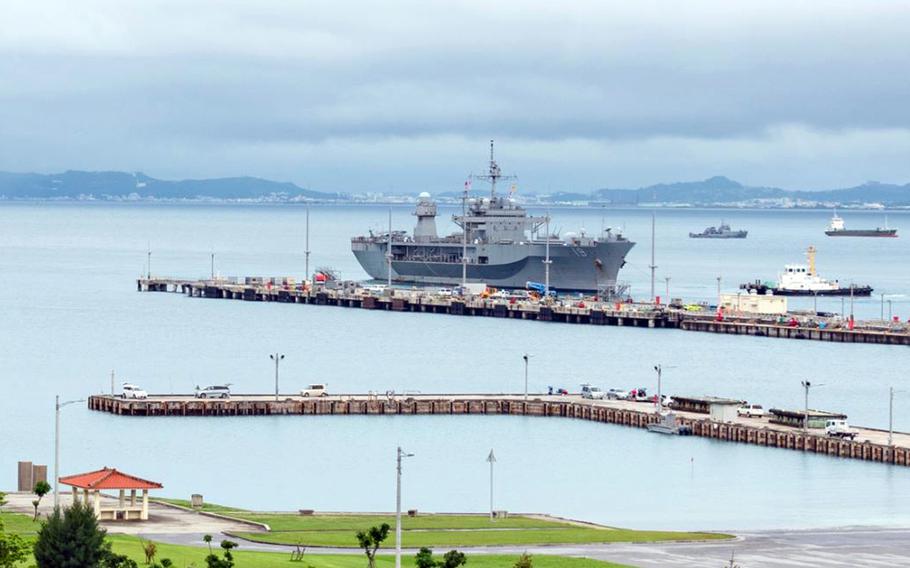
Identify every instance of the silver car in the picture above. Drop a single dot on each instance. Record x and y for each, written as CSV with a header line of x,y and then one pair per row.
x,y
213,391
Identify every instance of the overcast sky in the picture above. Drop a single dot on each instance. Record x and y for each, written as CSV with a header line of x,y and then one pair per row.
x,y
353,96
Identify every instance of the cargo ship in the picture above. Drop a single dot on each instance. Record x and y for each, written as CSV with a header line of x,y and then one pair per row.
x,y
837,228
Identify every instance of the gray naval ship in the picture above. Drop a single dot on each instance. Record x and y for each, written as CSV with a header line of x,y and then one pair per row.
x,y
499,245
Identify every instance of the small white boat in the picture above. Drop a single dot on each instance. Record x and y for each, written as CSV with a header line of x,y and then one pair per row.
x,y
669,425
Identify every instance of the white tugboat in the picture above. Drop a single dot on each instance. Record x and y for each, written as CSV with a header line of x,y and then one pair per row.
x,y
803,280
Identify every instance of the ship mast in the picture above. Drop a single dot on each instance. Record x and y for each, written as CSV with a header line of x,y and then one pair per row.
x,y
494,174
464,237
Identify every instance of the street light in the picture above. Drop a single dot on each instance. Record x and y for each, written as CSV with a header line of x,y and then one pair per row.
x,y
659,404
57,406
491,459
276,357
526,358
401,454
806,386
718,290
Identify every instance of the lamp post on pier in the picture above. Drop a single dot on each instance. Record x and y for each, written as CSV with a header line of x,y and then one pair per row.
x,y
526,358
276,357
806,386
491,459
401,454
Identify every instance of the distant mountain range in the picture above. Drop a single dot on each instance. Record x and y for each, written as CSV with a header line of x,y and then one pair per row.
x,y
122,186
717,190
722,190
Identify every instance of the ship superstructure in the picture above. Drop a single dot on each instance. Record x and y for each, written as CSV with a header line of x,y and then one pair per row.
x,y
499,245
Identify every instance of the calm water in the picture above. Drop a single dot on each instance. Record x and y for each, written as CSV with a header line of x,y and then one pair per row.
x,y
65,339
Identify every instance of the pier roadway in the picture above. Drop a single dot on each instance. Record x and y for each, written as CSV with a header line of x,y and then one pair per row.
x,y
869,444
565,310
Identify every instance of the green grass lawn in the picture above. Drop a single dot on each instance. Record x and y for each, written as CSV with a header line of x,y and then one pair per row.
x,y
445,530
185,556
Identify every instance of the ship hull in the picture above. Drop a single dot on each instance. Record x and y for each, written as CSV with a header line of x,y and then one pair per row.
x,y
863,233
572,268
736,235
763,289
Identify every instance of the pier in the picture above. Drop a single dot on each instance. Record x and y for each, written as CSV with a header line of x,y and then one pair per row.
x,y
575,311
869,444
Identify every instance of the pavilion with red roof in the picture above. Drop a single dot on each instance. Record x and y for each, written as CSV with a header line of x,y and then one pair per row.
x,y
91,485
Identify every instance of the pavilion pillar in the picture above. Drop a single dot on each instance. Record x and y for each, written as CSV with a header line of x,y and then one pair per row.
x,y
144,516
132,497
122,498
96,503
85,498
75,495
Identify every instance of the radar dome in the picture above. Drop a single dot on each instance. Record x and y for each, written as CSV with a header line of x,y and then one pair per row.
x,y
423,196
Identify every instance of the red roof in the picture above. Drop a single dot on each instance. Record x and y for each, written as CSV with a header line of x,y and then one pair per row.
x,y
108,478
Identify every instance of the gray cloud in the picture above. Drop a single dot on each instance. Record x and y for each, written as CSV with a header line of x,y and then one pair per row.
x,y
360,95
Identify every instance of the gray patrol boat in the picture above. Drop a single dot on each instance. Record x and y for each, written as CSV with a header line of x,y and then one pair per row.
x,y
499,245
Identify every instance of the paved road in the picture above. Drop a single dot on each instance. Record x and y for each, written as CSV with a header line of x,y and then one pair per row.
x,y
821,548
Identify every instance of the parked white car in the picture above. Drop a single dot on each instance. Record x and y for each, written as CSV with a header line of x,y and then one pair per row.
x,y
314,390
214,391
591,392
839,429
751,410
132,391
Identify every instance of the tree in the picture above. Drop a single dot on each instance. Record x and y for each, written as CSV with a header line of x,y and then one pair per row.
x,y
208,540
213,561
71,538
524,561
453,559
41,489
150,549
371,540
424,558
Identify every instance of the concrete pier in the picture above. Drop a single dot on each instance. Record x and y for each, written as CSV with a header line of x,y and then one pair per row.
x,y
570,311
869,444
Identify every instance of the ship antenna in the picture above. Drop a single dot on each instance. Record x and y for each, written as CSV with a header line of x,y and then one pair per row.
x,y
494,172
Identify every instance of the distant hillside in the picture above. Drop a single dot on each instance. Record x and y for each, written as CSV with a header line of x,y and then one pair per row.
x,y
122,185
722,190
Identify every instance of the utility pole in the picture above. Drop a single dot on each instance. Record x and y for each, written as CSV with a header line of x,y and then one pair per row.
x,y
890,416
401,454
660,402
213,266
112,382
492,460
667,280
653,266
526,357
389,252
718,290
57,406
882,317
276,357
890,317
464,236
306,253
148,264
546,261
851,301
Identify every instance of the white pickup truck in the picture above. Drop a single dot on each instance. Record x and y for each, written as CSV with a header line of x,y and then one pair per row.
x,y
839,429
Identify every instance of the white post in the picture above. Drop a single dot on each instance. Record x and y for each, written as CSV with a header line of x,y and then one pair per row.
x,y
144,515
526,357
401,454
57,452
277,357
491,459
659,405
306,275
547,262
653,266
389,251
464,239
